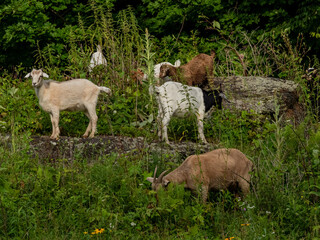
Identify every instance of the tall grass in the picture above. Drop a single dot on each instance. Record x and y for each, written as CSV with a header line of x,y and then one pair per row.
x,y
72,199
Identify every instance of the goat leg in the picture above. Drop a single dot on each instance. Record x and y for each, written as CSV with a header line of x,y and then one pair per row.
x,y
55,124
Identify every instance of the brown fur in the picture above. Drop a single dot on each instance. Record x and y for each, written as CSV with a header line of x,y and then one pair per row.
x,y
194,73
218,169
137,76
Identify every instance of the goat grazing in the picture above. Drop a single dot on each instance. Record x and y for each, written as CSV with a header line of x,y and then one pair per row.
x,y
194,73
217,170
97,59
73,95
176,99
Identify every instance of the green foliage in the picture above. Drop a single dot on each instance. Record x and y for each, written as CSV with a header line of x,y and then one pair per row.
x,y
19,98
234,128
110,198
167,14
75,200
28,25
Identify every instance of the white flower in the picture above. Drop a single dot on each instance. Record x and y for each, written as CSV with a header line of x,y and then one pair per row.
x,y
133,224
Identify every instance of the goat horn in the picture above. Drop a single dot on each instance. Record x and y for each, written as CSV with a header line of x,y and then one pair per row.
x,y
161,175
154,175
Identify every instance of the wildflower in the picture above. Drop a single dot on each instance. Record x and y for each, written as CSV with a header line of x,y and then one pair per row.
x,y
85,232
97,231
245,224
229,238
133,224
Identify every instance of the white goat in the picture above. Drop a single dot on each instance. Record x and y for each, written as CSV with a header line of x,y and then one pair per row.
x,y
73,95
219,169
176,99
97,59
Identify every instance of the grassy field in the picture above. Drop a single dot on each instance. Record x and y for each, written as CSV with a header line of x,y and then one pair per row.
x,y
109,197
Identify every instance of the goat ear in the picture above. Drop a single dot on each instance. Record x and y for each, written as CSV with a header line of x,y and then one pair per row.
x,y
28,75
45,75
150,179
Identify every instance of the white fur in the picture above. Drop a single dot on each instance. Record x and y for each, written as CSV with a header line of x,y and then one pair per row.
x,y
97,59
176,99
73,95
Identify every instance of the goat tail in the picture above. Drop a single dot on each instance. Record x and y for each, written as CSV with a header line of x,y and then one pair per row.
x,y
105,89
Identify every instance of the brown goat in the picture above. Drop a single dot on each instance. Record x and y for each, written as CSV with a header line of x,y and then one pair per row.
x,y
193,73
137,76
218,169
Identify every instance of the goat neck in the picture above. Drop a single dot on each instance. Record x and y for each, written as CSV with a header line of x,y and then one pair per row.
x,y
176,176
168,70
161,176
173,72
212,98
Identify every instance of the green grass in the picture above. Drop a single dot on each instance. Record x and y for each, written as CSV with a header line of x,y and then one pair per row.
x,y
70,199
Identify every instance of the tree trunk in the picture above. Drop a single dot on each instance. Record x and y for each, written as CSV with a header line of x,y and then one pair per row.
x,y
260,94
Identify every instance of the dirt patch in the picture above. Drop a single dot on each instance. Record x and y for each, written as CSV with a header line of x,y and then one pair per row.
x,y
71,148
